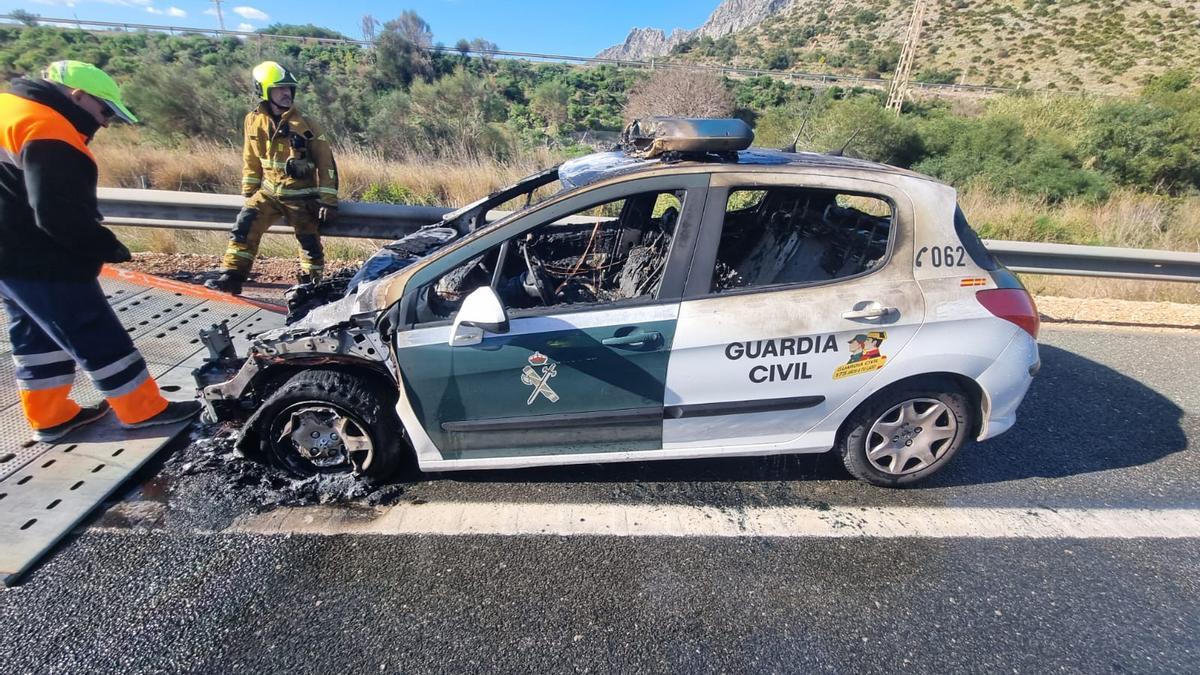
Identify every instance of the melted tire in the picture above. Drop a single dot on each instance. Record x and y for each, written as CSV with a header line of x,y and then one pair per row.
x,y
852,442
364,403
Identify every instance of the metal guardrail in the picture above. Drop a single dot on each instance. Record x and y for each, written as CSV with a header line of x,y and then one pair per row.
x,y
1096,261
199,211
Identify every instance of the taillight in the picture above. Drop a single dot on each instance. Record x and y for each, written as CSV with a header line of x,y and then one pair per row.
x,y
1012,304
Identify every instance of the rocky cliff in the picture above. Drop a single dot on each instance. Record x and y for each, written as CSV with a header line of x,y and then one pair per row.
x,y
729,17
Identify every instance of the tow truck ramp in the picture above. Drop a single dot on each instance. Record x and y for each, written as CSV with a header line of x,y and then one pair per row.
x,y
47,489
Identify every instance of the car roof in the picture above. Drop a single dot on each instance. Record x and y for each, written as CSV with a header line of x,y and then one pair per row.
x,y
589,169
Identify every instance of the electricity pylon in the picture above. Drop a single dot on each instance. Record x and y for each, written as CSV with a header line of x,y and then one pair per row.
x,y
220,16
899,89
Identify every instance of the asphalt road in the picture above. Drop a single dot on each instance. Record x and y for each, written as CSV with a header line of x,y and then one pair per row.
x,y
160,583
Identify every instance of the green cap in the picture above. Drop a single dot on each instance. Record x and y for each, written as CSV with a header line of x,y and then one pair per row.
x,y
89,78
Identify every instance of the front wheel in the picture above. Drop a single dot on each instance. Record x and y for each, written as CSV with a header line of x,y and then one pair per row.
x,y
324,421
902,437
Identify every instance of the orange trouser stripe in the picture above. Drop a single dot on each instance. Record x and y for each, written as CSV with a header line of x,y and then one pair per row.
x,y
140,404
45,408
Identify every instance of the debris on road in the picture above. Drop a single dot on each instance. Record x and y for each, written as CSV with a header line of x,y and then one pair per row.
x,y
211,453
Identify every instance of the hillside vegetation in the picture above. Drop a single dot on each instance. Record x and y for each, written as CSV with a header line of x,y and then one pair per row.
x,y
416,127
1099,46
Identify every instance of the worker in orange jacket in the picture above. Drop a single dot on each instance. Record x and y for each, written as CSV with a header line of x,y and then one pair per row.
x,y
52,246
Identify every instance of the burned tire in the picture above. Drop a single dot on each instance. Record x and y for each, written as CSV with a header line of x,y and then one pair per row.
x,y
906,435
324,421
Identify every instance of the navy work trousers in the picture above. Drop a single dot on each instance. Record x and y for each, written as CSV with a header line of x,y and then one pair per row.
x,y
54,325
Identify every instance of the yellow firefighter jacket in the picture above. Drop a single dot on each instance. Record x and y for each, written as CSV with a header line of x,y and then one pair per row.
x,y
269,146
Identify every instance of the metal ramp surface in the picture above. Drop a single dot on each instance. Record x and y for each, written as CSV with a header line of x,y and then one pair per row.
x,y
45,490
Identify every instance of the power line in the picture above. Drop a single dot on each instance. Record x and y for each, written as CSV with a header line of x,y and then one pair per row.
x,y
792,76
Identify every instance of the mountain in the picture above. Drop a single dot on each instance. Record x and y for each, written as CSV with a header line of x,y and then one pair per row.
x,y
1102,46
730,16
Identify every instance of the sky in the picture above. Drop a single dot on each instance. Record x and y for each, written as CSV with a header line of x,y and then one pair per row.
x,y
568,27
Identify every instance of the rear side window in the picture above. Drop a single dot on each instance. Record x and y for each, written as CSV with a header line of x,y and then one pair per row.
x,y
970,241
779,236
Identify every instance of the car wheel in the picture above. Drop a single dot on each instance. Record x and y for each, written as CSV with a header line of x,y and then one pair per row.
x,y
323,421
904,436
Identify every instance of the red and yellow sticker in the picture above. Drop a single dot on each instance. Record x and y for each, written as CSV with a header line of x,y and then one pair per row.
x,y
864,355
973,281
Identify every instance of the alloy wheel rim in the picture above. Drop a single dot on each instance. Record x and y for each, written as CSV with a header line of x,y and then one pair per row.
x,y
911,436
326,436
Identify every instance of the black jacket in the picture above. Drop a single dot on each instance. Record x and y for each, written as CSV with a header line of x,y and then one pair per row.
x,y
49,222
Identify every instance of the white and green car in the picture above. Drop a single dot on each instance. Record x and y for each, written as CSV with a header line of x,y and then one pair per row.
x,y
656,303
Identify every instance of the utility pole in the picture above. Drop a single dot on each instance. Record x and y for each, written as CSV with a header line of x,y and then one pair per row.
x,y
899,89
220,16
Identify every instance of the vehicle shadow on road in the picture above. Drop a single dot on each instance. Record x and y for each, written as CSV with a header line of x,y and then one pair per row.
x,y
1079,417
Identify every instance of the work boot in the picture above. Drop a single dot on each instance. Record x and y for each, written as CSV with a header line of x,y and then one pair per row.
x,y
84,417
228,282
176,411
308,278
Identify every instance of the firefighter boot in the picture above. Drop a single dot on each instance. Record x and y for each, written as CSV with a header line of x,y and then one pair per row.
x,y
311,277
229,282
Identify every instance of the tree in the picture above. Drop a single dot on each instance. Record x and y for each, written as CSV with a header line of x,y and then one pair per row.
x,y
402,51
27,18
550,100
369,24
302,30
682,93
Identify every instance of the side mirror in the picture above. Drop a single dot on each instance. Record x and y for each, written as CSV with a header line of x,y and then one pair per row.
x,y
480,312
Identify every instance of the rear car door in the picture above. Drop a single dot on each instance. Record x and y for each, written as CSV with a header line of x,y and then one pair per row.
x,y
591,286
800,295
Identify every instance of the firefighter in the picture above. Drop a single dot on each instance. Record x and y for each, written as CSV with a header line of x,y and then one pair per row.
x,y
288,175
52,246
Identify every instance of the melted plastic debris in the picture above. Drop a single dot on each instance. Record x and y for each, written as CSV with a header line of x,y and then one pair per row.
x,y
591,168
211,455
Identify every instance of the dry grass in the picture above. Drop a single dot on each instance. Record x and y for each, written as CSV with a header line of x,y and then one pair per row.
x,y
1126,219
211,167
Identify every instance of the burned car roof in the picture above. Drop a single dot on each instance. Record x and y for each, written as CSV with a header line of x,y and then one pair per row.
x,y
592,168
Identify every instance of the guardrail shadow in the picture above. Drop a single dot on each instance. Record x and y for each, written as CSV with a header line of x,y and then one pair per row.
x,y
1079,417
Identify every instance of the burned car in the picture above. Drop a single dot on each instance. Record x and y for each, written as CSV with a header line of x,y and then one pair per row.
x,y
685,297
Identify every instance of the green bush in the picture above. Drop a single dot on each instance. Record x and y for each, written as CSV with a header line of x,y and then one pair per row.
x,y
998,152
390,193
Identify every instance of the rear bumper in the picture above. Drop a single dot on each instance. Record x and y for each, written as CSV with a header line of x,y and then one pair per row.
x,y
1005,383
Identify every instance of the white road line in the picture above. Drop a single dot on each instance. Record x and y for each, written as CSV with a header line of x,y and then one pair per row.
x,y
622,520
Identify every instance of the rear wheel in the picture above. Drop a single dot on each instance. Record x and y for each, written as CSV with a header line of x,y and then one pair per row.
x,y
323,421
904,436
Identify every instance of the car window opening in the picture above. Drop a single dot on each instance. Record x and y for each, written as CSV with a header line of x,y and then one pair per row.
x,y
607,253
797,235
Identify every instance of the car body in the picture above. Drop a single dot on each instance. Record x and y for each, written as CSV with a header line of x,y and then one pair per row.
x,y
676,307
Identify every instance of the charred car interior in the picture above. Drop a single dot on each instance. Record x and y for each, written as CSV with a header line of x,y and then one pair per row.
x,y
607,253
795,236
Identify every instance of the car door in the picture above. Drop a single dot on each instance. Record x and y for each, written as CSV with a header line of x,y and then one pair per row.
x,y
583,373
800,295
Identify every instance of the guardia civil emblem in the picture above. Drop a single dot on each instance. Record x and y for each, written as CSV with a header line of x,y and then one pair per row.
x,y
540,381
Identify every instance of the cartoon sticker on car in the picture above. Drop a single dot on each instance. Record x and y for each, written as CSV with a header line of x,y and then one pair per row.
x,y
539,381
864,355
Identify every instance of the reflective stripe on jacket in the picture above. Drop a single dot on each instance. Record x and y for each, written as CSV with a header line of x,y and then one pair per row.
x,y
267,148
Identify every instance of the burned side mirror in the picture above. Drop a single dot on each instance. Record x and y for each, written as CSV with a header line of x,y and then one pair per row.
x,y
481,312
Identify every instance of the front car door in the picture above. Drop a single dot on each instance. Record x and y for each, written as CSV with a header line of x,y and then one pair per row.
x,y
591,285
801,295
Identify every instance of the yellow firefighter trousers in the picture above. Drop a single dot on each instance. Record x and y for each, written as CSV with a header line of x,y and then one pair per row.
x,y
258,215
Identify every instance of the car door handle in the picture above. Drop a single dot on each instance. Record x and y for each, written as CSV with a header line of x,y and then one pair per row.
x,y
873,310
633,340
